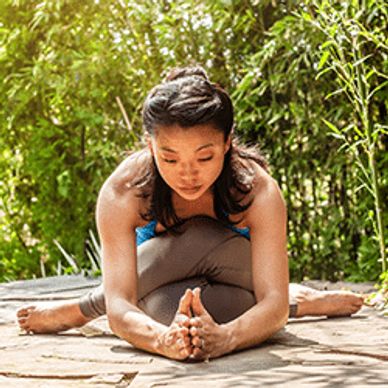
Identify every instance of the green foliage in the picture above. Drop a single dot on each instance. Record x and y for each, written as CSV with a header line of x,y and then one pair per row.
x,y
296,79
354,44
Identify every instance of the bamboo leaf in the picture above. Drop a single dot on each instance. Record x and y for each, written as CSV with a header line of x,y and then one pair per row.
x,y
323,59
362,60
369,74
364,186
343,146
332,127
327,44
306,16
92,260
357,130
67,256
331,94
376,89
321,73
336,135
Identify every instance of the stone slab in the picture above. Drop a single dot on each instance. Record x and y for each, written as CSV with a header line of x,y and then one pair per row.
x,y
313,352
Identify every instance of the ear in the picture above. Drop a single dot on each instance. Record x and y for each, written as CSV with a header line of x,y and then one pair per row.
x,y
149,143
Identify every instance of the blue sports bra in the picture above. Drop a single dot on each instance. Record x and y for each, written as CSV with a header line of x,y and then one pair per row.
x,y
146,232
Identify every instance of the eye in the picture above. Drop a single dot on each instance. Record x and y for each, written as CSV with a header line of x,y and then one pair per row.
x,y
206,159
171,161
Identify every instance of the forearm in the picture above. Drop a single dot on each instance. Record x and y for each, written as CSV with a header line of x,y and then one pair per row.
x,y
257,324
130,323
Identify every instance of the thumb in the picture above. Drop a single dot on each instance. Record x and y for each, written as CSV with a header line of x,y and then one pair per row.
x,y
185,302
196,304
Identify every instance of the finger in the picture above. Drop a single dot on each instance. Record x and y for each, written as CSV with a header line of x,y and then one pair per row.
x,y
195,322
172,336
183,332
196,331
182,320
185,336
197,341
169,340
199,354
184,343
185,352
185,323
185,302
187,342
196,304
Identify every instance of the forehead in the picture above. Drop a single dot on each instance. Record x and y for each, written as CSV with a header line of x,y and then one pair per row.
x,y
177,137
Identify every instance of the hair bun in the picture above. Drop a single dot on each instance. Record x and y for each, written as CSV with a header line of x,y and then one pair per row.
x,y
182,72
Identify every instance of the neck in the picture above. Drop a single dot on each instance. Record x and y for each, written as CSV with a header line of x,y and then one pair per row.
x,y
185,209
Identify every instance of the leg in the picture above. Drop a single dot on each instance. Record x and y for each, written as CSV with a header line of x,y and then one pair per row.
x,y
331,303
207,255
61,316
222,258
157,268
51,317
222,301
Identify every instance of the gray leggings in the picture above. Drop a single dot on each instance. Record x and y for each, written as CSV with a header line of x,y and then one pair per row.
x,y
207,255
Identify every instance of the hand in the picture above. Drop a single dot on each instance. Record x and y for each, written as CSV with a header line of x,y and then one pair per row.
x,y
209,339
175,341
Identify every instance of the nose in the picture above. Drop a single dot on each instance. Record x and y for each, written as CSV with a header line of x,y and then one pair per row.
x,y
188,172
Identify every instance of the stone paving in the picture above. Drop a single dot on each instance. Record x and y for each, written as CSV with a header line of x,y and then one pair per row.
x,y
316,352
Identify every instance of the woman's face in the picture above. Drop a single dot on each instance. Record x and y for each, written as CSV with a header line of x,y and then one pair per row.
x,y
189,159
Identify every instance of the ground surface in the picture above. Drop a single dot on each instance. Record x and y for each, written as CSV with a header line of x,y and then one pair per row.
x,y
319,352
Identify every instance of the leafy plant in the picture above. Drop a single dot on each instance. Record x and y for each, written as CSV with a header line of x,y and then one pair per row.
x,y
65,64
354,38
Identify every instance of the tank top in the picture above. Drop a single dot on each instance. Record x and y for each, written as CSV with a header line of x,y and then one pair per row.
x,y
146,232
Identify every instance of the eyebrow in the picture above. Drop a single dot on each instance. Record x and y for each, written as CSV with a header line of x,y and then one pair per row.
x,y
198,149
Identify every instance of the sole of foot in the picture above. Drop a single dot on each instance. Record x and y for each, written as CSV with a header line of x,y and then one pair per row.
x,y
330,303
50,317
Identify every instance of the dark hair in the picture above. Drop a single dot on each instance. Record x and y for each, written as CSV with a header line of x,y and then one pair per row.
x,y
187,98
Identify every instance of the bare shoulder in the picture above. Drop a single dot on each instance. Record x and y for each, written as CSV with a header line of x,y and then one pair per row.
x,y
119,204
267,202
123,176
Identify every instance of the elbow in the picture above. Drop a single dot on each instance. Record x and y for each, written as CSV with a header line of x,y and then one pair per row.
x,y
117,310
284,319
282,315
280,312
113,321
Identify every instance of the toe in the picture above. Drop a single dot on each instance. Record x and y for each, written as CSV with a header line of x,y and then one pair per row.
x,y
25,326
22,320
24,311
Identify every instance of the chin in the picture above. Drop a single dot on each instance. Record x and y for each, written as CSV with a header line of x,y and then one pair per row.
x,y
190,195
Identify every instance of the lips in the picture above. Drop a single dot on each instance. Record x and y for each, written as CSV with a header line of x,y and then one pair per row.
x,y
193,188
190,188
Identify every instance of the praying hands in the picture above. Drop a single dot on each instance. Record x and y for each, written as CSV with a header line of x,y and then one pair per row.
x,y
193,334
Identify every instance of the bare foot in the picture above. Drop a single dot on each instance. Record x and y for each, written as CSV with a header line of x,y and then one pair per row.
x,y
330,303
51,317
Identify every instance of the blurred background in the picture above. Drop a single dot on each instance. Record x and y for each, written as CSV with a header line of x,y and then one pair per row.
x,y
309,81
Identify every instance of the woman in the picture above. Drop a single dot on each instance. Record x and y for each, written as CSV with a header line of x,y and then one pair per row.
x,y
193,212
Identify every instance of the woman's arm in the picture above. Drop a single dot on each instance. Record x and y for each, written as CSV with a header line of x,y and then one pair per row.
x,y
267,220
117,217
